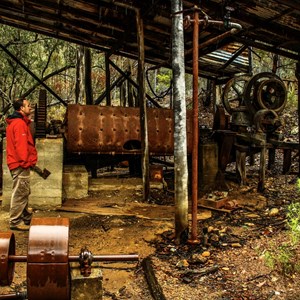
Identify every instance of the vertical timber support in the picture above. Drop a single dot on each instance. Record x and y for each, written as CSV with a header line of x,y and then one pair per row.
x,y
143,105
262,169
180,139
107,80
88,76
297,73
193,237
79,87
129,86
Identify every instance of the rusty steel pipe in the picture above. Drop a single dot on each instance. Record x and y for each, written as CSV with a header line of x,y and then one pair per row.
x,y
218,38
75,258
16,296
193,237
214,40
109,257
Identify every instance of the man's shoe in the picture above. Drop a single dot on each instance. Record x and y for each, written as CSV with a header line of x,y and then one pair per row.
x,y
20,227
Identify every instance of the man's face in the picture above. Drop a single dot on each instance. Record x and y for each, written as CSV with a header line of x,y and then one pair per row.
x,y
26,108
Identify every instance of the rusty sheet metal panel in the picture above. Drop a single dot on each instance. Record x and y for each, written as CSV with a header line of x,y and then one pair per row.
x,y
116,130
7,247
48,259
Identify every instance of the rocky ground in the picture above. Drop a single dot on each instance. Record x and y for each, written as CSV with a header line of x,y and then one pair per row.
x,y
238,255
245,252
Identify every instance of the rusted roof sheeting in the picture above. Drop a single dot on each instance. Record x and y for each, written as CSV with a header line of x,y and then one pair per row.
x,y
110,25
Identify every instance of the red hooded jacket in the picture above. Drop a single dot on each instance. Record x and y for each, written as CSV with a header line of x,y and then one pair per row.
x,y
20,148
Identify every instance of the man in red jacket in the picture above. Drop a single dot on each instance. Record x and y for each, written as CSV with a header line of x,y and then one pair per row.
x,y
21,155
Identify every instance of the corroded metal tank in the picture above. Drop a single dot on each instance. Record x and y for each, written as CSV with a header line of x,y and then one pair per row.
x,y
116,130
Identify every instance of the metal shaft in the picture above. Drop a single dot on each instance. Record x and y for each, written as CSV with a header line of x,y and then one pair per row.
x,y
75,258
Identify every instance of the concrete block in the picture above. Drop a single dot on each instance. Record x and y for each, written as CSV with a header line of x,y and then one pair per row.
x,y
75,182
45,194
86,288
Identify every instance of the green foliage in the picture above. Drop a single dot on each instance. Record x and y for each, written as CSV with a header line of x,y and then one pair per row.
x,y
163,80
293,221
285,257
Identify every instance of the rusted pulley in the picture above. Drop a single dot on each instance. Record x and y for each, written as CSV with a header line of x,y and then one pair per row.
x,y
48,275
271,94
265,91
48,270
7,248
233,94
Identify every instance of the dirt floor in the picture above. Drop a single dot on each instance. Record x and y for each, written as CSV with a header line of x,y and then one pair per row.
x,y
235,257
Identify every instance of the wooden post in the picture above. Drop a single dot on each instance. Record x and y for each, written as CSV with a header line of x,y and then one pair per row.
x,y
297,73
143,105
107,80
129,86
262,169
88,76
180,137
79,89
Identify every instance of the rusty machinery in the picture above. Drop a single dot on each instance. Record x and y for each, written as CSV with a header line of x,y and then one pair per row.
x,y
253,121
103,133
48,270
116,130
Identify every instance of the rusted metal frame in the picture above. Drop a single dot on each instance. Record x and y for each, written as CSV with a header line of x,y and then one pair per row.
x,y
107,81
133,82
118,81
143,106
193,238
33,75
234,56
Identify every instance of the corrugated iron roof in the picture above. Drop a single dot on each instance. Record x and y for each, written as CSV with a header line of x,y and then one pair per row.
x,y
110,25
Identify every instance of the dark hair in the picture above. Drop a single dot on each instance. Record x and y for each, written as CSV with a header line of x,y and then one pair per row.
x,y
18,103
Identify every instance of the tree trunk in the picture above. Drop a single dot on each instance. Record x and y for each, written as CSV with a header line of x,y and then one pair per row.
x,y
88,76
79,86
180,142
143,106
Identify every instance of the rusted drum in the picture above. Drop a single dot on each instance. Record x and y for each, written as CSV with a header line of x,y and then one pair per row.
x,y
7,247
116,130
233,92
48,275
265,91
272,94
